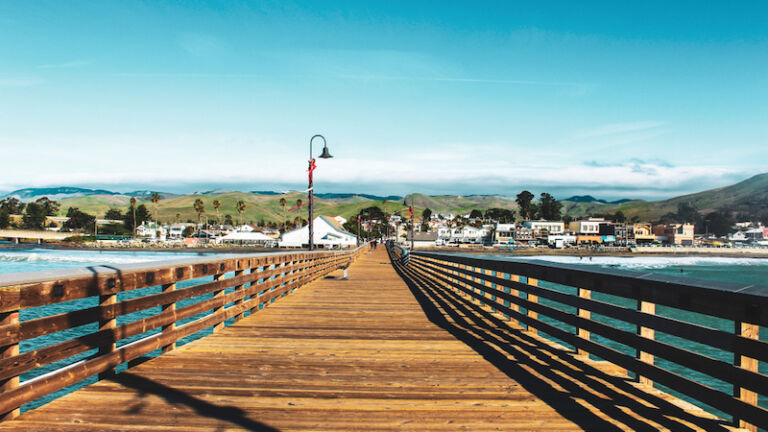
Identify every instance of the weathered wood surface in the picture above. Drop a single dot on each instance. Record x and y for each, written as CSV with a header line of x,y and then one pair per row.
x,y
368,353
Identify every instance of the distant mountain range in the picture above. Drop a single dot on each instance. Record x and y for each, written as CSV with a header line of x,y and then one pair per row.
x,y
590,198
64,192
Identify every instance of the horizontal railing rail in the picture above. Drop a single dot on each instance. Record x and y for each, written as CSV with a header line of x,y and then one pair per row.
x,y
556,299
78,312
401,254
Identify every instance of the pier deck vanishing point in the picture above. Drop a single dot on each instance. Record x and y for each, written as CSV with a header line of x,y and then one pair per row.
x,y
370,352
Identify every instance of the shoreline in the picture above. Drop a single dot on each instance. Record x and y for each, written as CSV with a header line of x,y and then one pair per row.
x,y
209,250
614,252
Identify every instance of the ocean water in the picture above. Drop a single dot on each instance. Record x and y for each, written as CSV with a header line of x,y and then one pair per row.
x,y
14,260
747,271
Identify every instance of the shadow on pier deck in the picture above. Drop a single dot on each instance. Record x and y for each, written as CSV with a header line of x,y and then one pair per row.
x,y
374,352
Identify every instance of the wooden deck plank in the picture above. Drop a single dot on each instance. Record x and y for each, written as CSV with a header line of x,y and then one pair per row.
x,y
366,353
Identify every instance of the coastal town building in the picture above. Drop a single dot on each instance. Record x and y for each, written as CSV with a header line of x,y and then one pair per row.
x,y
523,234
679,234
177,230
151,230
542,227
561,241
504,233
422,240
641,233
589,226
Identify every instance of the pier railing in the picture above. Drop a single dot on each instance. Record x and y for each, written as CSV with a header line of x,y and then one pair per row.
x,y
619,322
92,321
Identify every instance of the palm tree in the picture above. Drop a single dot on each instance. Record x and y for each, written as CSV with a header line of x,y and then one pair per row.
x,y
200,209
216,205
133,209
283,202
155,199
240,209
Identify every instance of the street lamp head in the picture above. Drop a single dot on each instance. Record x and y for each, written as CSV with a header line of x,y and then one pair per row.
x,y
325,154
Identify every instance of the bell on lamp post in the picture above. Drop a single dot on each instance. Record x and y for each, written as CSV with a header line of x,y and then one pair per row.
x,y
324,155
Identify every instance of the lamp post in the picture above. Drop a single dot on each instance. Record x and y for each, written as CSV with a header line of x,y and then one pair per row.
x,y
324,155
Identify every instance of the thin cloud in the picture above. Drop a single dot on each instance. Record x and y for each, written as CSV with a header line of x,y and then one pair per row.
x,y
577,87
19,81
181,75
66,65
617,129
200,45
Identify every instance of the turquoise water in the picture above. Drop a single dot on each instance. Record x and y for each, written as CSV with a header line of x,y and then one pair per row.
x,y
38,259
734,270
14,260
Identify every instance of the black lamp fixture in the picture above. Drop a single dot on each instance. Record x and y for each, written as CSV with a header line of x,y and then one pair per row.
x,y
324,155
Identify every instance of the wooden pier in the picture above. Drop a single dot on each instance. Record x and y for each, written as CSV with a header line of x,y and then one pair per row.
x,y
384,349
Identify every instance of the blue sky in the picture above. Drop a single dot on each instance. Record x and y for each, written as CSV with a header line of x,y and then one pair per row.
x,y
648,100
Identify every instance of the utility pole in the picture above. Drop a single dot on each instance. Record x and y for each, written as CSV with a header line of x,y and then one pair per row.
x,y
410,210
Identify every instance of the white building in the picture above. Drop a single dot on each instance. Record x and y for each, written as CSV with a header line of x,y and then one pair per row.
x,y
505,232
587,226
151,230
468,234
341,220
327,233
177,230
552,227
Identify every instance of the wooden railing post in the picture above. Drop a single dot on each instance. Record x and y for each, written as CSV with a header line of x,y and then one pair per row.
x,y
750,331
107,324
533,299
515,293
9,318
490,285
648,333
256,282
238,302
583,313
169,327
218,294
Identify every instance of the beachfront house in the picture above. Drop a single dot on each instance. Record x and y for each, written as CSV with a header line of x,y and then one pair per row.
x,y
589,226
542,227
523,234
423,240
641,233
327,233
177,230
504,233
678,234
151,230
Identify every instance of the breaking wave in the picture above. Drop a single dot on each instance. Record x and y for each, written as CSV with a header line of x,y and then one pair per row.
x,y
651,262
86,259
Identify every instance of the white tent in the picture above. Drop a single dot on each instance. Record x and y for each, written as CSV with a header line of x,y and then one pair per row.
x,y
327,233
246,237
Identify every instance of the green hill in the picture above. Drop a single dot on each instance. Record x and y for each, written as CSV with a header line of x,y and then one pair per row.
x,y
749,196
